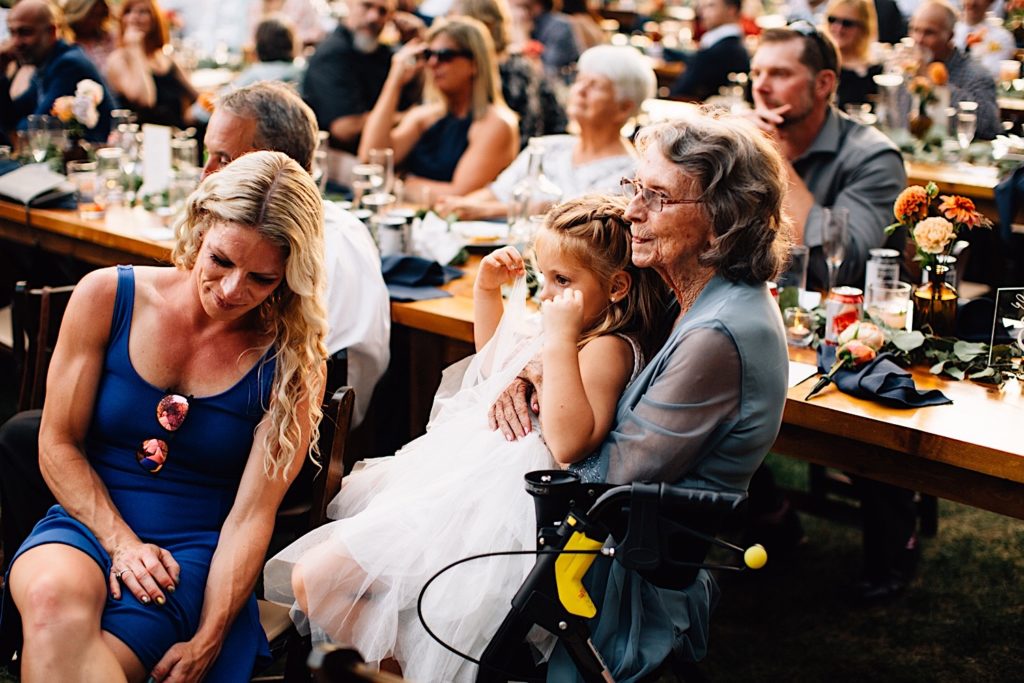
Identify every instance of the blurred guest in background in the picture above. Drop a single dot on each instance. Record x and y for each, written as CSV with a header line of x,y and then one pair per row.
x,y
310,18
524,88
464,134
931,27
586,23
611,84
554,31
275,52
853,26
59,67
345,75
90,27
721,52
987,42
892,25
146,78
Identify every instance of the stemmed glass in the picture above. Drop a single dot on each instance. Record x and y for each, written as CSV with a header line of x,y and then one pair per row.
x,y
130,143
38,136
966,126
833,241
385,159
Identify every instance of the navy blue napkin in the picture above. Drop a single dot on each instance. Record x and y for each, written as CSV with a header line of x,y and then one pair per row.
x,y
880,380
411,278
8,165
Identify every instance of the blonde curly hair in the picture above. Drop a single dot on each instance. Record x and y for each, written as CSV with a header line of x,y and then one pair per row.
x,y
273,194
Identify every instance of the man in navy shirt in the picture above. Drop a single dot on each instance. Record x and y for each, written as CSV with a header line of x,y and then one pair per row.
x,y
59,67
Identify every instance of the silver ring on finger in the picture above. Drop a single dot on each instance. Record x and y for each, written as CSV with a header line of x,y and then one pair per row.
x,y
120,574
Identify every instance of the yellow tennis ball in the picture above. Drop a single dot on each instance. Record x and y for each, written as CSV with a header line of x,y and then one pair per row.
x,y
755,556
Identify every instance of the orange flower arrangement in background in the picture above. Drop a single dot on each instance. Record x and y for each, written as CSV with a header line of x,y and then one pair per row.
x,y
934,233
937,73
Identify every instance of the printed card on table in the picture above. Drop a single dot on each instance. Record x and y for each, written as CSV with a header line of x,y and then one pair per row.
x,y
1008,316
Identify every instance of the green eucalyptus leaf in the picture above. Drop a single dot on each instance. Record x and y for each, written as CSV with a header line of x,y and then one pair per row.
x,y
967,351
908,341
987,372
937,368
955,372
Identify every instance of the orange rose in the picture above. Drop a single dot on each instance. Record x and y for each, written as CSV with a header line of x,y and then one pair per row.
x,y
911,205
938,73
62,108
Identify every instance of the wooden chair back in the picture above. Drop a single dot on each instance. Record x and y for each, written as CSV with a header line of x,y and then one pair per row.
x,y
36,315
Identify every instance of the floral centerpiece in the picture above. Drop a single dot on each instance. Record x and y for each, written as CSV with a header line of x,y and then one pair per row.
x,y
930,98
77,113
933,230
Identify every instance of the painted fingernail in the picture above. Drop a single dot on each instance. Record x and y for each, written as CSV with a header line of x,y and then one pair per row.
x,y
170,588
145,599
160,600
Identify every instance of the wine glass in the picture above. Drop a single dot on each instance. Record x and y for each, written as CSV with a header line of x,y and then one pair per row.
x,y
320,163
966,126
833,241
38,136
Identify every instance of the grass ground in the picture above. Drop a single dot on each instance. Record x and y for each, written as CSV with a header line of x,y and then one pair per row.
x,y
961,619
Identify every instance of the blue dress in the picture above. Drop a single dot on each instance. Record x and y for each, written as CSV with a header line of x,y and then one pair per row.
x,y
436,154
180,508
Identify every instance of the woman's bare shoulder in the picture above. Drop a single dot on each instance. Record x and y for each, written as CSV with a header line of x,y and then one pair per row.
x,y
498,123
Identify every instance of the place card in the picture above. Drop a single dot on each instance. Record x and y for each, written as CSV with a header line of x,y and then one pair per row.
x,y
800,372
156,159
1009,316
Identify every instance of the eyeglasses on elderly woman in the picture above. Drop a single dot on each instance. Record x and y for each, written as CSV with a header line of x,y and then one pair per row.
x,y
653,200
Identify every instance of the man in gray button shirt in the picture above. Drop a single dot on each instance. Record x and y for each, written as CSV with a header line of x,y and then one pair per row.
x,y
833,161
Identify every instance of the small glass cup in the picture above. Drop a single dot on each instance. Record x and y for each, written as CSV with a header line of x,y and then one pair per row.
x,y
799,323
82,175
890,305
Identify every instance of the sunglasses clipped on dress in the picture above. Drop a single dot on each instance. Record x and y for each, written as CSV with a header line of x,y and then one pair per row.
x,y
171,412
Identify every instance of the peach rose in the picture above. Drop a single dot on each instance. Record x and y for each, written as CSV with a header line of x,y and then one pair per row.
x,y
854,353
62,108
866,333
933,235
911,205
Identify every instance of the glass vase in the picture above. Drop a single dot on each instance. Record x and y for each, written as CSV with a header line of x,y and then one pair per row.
x,y
935,303
75,149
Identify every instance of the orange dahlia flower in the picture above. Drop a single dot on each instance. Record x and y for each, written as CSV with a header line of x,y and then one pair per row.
x,y
911,205
961,210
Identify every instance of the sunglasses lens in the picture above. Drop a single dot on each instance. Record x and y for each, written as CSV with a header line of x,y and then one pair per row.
x,y
152,455
171,411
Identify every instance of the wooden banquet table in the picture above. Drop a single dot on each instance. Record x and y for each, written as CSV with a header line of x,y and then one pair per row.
x,y
970,451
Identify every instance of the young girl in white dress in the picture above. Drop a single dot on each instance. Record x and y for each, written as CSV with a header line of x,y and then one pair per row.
x,y
459,490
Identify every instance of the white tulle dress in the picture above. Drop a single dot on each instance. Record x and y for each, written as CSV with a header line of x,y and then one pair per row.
x,y
454,492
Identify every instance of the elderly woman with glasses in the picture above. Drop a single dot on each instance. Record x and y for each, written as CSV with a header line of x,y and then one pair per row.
x,y
853,26
181,403
706,214
611,85
462,137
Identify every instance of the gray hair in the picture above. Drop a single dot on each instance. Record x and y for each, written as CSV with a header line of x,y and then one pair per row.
x,y
742,180
628,70
284,123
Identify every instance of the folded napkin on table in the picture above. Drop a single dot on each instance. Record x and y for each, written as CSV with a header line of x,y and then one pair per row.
x,y
411,278
880,380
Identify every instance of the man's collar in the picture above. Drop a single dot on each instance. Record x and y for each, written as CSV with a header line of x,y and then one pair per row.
x,y
720,33
828,137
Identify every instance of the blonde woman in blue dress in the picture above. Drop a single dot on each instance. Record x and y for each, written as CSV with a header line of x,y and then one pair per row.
x,y
458,490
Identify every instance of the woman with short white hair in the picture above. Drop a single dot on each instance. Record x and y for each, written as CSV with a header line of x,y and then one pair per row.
x,y
611,84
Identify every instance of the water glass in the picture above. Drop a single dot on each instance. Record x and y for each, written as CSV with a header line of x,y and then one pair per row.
x,y
320,165
799,325
184,154
890,305
794,281
82,175
384,158
111,187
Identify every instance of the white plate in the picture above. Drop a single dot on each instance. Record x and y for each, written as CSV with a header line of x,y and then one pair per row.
x,y
482,233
